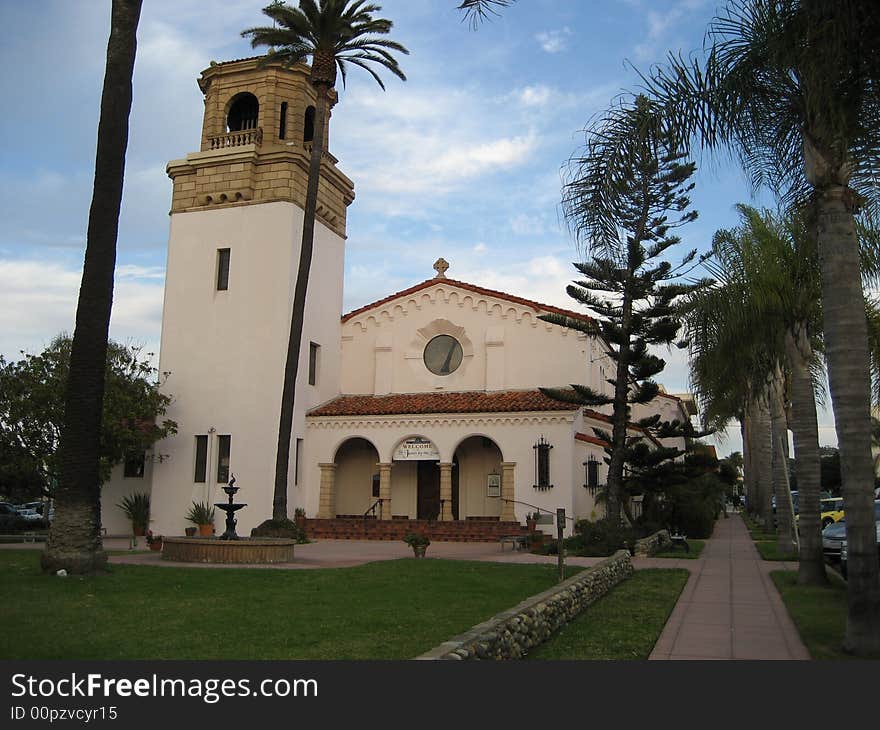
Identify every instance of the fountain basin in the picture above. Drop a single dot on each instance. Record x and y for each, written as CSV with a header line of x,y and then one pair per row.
x,y
248,551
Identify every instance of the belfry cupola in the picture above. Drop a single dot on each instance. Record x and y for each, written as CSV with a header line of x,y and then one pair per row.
x,y
256,139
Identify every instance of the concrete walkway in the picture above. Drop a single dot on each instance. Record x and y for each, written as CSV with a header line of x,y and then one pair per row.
x,y
730,608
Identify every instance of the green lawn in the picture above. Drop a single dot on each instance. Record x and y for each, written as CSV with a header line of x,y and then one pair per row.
x,y
623,624
769,550
388,610
696,548
818,612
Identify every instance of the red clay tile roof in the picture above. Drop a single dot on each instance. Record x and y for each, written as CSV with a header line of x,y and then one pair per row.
x,y
590,413
537,306
469,402
591,440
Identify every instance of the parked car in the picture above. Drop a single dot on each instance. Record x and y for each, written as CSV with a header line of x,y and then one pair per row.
x,y
30,515
831,510
10,519
833,538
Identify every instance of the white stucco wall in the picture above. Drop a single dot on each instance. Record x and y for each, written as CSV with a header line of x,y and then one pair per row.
x,y
115,489
225,350
506,346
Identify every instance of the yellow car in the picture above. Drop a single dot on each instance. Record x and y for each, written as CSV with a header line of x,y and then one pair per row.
x,y
831,510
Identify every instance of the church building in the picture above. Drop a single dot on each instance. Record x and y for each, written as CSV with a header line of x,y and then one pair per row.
x,y
423,405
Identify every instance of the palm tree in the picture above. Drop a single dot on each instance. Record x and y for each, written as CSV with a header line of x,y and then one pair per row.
x,y
334,33
790,86
476,11
75,538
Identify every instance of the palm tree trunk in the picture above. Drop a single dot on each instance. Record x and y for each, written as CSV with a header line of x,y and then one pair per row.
x,y
746,429
779,428
846,341
291,366
763,462
805,430
75,538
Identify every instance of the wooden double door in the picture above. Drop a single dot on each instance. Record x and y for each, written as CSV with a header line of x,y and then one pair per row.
x,y
428,499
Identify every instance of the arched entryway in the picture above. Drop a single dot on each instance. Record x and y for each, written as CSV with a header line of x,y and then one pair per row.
x,y
476,479
356,477
417,479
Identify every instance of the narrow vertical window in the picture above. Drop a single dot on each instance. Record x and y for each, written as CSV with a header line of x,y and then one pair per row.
x,y
297,462
282,122
592,474
542,464
314,354
201,472
309,124
222,269
224,446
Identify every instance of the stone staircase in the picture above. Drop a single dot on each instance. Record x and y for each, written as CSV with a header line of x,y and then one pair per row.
x,y
358,528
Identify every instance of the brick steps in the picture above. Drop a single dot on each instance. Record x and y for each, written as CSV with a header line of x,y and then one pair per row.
x,y
454,531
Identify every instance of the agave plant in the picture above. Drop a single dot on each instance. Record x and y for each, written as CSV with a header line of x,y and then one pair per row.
x,y
136,507
201,513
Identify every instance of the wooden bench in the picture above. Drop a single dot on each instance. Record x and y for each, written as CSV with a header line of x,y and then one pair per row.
x,y
517,542
677,540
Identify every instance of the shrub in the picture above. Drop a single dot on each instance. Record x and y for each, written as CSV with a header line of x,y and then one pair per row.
x,y
602,538
280,528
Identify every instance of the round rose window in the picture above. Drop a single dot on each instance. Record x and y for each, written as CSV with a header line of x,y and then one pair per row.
x,y
443,355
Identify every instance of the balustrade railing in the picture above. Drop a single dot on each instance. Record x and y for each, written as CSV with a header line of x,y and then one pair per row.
x,y
236,139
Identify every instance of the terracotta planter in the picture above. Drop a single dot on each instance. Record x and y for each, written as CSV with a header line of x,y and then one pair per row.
x,y
206,530
156,545
532,525
191,531
300,520
419,550
138,531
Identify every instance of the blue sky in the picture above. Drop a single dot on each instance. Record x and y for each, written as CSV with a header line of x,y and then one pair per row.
x,y
464,160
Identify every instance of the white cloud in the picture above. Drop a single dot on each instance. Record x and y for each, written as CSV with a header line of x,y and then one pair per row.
x,y
38,301
527,225
535,95
554,41
662,26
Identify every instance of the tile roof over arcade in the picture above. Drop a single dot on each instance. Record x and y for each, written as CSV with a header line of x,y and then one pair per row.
x,y
508,401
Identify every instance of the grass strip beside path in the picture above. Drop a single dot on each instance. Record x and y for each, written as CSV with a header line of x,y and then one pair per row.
x,y
769,550
395,609
623,624
819,612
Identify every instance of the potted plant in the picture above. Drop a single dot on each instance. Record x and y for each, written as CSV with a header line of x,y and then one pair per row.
x,y
191,531
532,520
154,541
137,508
418,542
202,514
299,516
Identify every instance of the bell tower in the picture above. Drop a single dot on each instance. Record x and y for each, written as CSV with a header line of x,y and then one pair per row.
x,y
233,251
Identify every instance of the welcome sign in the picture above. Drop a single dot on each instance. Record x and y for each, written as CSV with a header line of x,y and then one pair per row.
x,y
416,449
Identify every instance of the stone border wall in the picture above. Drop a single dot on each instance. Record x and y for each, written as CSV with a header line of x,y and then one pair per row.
x,y
652,543
513,633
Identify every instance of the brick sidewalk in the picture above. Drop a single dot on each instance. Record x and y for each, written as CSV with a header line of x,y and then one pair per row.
x,y
730,608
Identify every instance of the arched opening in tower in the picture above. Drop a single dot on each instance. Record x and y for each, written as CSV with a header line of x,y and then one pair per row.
x,y
243,112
